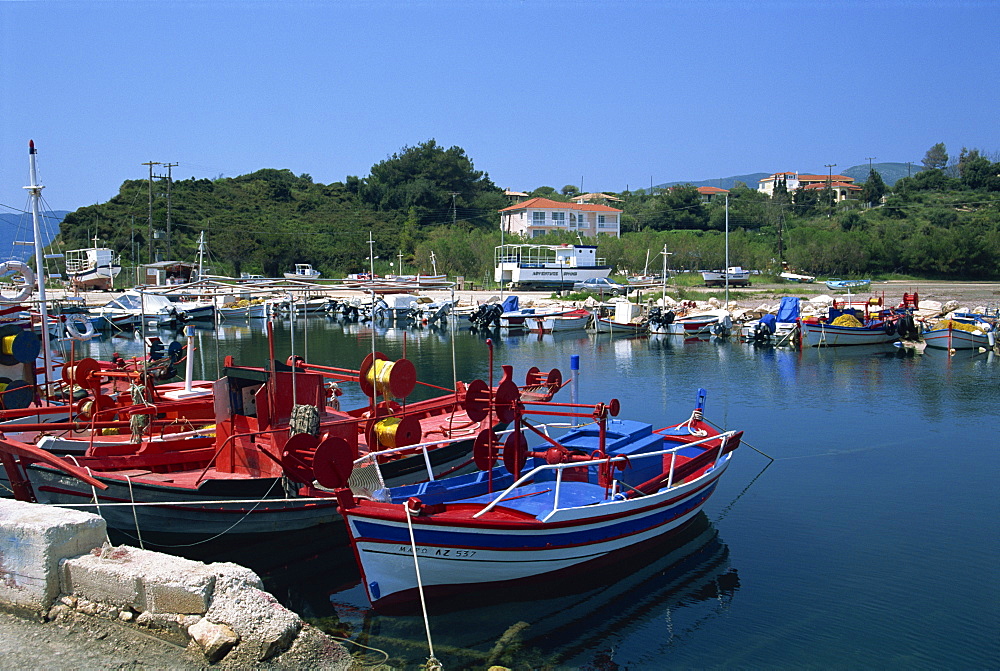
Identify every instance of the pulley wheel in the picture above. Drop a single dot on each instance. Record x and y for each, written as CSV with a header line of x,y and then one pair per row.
x,y
333,462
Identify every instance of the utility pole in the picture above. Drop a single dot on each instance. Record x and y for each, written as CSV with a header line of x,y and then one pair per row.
x,y
169,181
454,214
149,237
829,187
870,169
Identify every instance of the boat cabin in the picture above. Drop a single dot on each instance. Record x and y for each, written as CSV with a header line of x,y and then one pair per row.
x,y
164,273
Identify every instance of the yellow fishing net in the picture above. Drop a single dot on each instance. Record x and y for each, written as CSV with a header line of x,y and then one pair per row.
x,y
847,320
951,323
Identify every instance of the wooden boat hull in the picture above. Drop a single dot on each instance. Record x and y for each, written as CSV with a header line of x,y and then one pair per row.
x,y
827,335
740,278
835,285
607,325
956,339
504,549
576,320
689,326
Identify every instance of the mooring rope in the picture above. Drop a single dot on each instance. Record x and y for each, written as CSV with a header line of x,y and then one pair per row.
x,y
135,514
432,661
93,490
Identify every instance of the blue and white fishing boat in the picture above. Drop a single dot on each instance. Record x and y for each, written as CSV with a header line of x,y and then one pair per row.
x,y
967,331
836,284
597,493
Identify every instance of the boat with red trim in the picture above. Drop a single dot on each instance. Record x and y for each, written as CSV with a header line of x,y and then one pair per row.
x,y
599,491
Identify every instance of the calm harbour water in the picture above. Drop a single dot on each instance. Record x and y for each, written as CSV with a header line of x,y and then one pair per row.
x,y
871,540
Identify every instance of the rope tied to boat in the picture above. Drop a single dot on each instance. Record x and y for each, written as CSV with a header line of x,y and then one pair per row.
x,y
696,416
432,662
138,423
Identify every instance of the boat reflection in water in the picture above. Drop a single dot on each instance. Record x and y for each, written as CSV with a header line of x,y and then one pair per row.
x,y
575,623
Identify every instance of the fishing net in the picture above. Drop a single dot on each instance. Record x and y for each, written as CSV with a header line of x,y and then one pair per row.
x,y
366,480
847,320
952,324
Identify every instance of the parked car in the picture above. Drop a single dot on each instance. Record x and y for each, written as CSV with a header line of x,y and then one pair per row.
x,y
601,286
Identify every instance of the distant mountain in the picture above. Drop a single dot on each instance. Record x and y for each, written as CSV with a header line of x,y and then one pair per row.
x,y
19,227
890,172
721,182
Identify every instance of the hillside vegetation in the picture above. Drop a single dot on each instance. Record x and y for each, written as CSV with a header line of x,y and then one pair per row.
x,y
943,222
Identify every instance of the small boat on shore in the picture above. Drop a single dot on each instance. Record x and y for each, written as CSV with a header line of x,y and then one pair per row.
x,y
736,276
522,266
93,267
575,503
797,278
303,271
836,284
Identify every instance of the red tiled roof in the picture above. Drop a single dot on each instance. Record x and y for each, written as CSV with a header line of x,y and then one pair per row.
x,y
838,185
816,178
545,203
711,190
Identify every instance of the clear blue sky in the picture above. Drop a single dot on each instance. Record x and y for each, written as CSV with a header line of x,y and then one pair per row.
x,y
537,92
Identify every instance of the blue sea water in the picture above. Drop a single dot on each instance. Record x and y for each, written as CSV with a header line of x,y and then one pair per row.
x,y
870,541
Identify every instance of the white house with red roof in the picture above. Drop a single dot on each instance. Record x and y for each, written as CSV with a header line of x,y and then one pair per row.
x,y
537,216
843,186
710,193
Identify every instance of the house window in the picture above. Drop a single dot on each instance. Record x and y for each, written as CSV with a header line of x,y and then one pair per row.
x,y
537,234
558,218
538,218
600,219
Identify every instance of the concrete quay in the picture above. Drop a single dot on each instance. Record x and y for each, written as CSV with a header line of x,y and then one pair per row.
x,y
70,599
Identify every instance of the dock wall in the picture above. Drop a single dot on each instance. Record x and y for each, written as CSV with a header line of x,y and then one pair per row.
x,y
56,563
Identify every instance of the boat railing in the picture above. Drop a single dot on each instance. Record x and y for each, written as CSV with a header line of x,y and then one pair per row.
x,y
366,474
723,438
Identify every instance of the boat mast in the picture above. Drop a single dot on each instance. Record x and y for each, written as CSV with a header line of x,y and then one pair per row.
x,y
727,251
36,195
201,253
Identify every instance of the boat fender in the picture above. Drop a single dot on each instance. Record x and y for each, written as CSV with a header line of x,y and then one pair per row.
x,y
75,333
902,330
890,328
991,338
14,266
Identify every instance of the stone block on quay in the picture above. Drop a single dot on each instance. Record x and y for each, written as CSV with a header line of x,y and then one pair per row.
x,y
143,580
34,539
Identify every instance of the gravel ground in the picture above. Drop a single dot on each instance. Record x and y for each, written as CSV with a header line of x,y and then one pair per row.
x,y
85,642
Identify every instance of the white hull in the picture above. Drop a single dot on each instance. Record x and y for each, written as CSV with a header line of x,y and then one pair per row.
x,y
825,335
737,277
559,323
460,555
957,339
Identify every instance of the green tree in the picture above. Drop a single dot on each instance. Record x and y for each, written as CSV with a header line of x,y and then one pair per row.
x,y
425,177
936,157
679,207
874,188
978,172
569,191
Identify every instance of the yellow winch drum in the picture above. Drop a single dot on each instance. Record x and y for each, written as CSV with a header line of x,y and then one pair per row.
x,y
380,376
391,432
